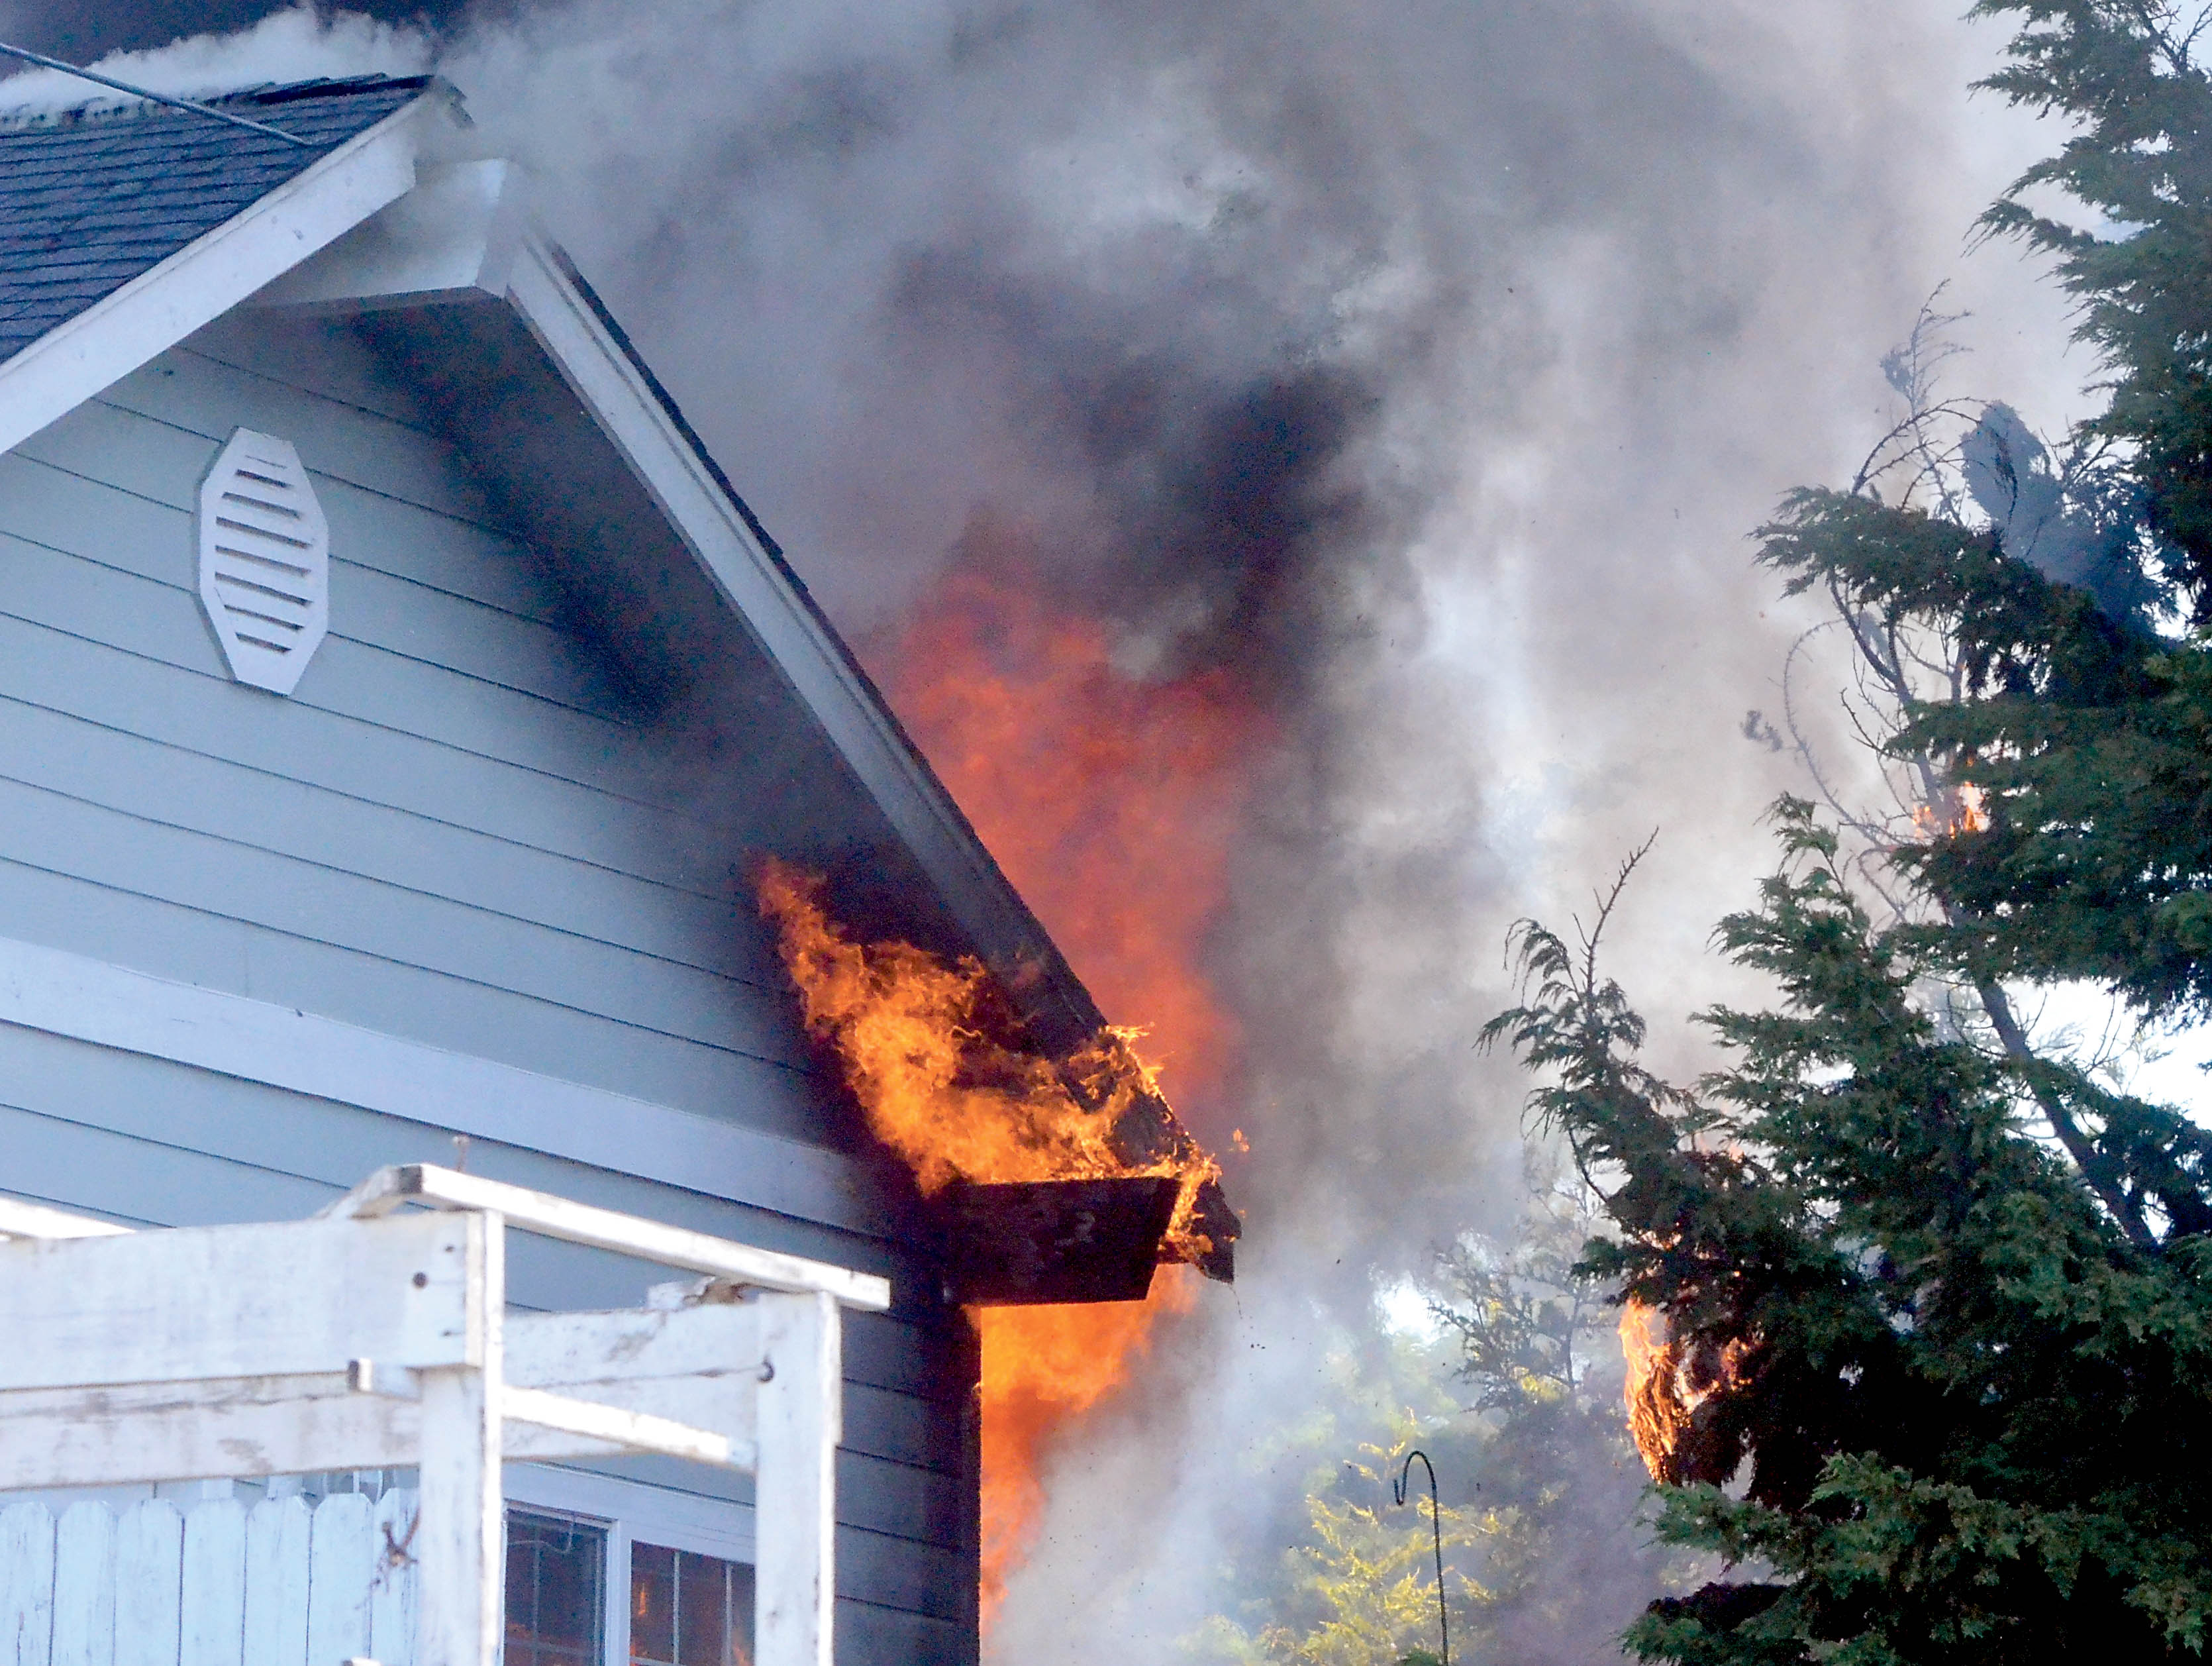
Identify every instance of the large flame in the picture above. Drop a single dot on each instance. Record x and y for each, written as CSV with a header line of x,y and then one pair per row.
x,y
1110,801
912,1032
1658,1414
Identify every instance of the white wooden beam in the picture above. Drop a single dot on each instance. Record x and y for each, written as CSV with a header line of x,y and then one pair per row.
x,y
202,1302
19,1220
229,1431
720,1340
245,1430
603,1229
460,1530
634,1432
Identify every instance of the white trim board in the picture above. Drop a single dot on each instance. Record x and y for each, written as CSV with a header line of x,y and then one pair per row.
x,y
768,598
213,273
61,994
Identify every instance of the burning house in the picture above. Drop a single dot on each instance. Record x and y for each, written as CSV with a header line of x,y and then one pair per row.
x,y
412,749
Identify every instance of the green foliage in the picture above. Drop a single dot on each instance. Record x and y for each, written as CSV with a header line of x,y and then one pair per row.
x,y
1516,1394
2089,734
2126,72
1935,1392
1363,1585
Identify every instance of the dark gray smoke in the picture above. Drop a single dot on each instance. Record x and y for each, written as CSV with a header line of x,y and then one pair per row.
x,y
1422,364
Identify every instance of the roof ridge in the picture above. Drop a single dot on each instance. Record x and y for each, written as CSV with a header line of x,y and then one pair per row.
x,y
121,107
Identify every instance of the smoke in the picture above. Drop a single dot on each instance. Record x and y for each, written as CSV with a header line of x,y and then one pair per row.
x,y
1424,366
294,44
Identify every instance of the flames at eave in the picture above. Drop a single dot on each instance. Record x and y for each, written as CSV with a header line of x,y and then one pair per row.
x,y
1058,1179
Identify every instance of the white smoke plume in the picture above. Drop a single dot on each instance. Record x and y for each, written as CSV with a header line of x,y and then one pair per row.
x,y
1489,329
294,44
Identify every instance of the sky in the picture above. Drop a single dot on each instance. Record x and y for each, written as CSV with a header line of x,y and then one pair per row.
x,y
1490,327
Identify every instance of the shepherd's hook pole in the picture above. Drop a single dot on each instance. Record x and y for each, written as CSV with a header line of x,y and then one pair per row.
x,y
45,63
1398,1489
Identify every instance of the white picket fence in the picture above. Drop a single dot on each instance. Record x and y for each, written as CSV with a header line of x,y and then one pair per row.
x,y
213,1583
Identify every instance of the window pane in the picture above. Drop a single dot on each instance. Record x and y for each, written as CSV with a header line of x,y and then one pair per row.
x,y
652,1604
556,1591
686,1609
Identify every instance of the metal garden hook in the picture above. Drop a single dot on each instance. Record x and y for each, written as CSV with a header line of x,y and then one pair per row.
x,y
1398,1491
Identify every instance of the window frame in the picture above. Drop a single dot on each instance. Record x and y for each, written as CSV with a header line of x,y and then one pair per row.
x,y
626,1510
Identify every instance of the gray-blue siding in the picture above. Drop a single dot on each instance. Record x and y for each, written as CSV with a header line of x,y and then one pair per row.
x,y
451,834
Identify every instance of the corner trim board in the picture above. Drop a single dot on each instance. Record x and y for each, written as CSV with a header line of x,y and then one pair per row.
x,y
60,993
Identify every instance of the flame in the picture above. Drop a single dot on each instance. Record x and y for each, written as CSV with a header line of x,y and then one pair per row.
x,y
1110,801
957,1105
1667,1383
1962,809
1658,1416
1042,1367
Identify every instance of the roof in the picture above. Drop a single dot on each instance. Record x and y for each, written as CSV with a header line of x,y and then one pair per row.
x,y
89,201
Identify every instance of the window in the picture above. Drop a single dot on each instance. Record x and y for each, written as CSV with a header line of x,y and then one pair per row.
x,y
689,1609
605,1586
556,1591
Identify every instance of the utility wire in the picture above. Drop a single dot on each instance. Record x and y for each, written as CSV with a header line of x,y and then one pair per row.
x,y
45,63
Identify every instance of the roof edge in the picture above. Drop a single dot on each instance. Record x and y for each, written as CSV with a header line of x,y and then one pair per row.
x,y
606,371
117,334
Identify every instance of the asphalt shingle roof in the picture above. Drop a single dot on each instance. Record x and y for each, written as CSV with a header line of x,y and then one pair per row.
x,y
89,201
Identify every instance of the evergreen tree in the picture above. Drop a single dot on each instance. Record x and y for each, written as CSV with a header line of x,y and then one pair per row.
x,y
1936,1300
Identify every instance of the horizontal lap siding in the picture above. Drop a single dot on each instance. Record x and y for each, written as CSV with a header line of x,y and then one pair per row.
x,y
407,807
454,831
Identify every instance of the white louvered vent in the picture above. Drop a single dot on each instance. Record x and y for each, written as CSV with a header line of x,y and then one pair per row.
x,y
264,560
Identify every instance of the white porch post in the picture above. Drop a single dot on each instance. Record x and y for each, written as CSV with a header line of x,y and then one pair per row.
x,y
795,1486
459,1542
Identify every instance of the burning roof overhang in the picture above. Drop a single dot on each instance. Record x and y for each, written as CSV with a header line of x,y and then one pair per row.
x,y
1011,1244
1059,1173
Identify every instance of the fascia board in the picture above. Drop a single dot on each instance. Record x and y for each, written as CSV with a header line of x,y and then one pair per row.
x,y
211,275
771,599
55,992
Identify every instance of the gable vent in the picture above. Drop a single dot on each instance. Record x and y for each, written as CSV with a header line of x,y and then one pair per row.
x,y
264,560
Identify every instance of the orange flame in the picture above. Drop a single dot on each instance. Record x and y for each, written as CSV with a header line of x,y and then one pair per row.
x,y
1110,802
954,1105
1668,1382
1962,809
1658,1416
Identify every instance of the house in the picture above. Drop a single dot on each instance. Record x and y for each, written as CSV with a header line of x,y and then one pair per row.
x,y
392,695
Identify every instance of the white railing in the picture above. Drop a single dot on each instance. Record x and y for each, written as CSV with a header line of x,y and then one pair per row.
x,y
376,1336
